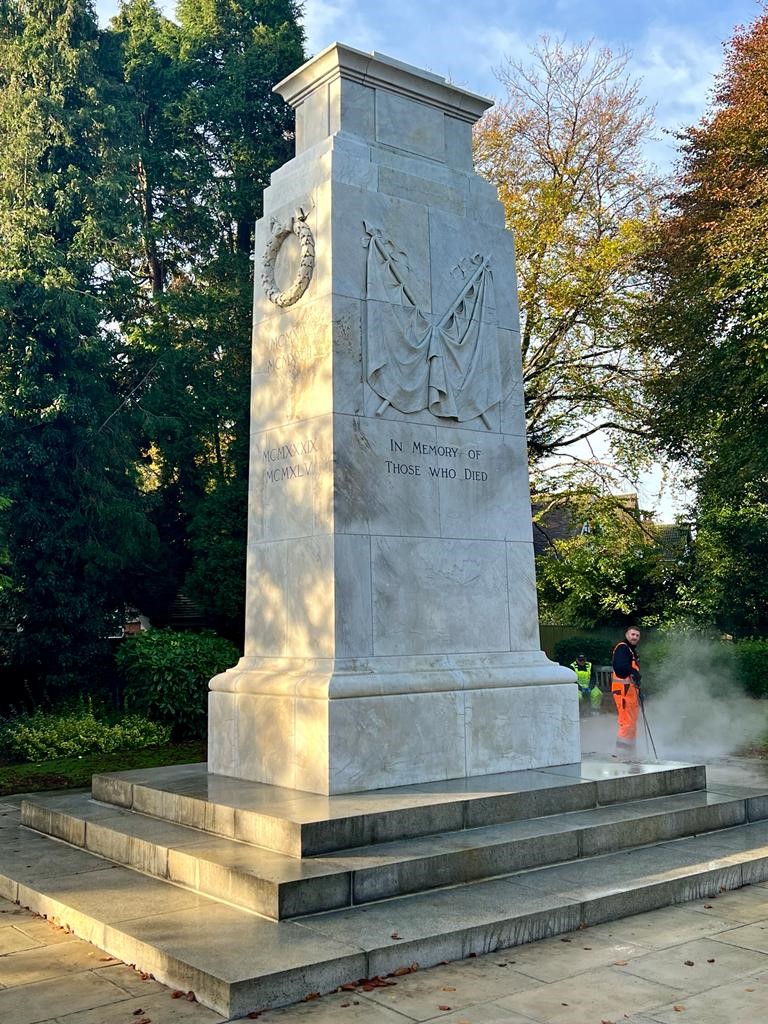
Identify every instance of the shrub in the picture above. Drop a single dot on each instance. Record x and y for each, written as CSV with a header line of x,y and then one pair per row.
x,y
166,675
75,731
751,657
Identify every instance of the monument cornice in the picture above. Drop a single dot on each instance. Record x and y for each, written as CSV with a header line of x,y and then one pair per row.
x,y
379,71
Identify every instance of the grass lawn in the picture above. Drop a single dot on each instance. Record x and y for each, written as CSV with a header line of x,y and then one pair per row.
x,y
76,772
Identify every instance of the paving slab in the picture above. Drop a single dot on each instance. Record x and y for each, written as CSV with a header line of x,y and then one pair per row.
x,y
339,1008
57,997
698,965
659,929
24,967
602,994
748,936
742,1002
556,958
420,996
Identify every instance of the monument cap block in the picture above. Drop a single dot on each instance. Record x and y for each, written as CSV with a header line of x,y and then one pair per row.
x,y
391,623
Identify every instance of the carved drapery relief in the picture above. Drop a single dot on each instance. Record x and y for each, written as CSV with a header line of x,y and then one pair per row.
x,y
446,362
297,226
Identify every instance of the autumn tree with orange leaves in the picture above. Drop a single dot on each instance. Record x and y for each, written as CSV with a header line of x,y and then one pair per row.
x,y
708,329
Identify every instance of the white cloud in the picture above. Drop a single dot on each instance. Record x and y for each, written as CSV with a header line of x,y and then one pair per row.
x,y
343,21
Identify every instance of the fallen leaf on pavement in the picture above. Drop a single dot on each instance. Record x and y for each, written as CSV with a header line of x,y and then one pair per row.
x,y
138,1013
400,971
448,988
444,1008
394,935
711,960
688,963
619,963
309,996
191,997
348,986
707,906
566,940
254,1014
178,994
678,1008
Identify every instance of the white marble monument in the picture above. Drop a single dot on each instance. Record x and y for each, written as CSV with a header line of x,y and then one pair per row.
x,y
392,629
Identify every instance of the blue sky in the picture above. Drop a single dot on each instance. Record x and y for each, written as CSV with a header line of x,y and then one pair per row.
x,y
676,45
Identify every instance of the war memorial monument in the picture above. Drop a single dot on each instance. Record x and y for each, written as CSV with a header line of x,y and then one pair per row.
x,y
391,630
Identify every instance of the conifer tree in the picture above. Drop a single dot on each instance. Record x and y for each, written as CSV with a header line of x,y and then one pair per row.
x,y
76,537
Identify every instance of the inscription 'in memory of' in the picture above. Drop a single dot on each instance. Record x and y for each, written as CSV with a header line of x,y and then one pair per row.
x,y
398,467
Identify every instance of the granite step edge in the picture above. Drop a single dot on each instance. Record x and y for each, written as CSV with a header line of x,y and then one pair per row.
x,y
334,883
303,838
547,914
231,998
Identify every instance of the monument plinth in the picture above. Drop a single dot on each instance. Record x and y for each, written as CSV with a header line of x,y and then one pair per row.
x,y
391,626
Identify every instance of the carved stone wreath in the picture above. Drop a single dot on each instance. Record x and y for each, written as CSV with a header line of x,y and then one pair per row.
x,y
297,226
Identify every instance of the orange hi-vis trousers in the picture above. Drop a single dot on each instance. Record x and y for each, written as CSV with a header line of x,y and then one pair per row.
x,y
628,707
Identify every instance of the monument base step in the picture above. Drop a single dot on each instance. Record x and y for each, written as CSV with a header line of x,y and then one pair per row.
x,y
281,887
237,961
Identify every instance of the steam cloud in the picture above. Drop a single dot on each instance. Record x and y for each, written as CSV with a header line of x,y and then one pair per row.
x,y
696,710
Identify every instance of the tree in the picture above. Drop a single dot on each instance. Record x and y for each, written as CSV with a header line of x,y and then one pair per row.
x,y
564,149
612,571
204,133
76,535
708,329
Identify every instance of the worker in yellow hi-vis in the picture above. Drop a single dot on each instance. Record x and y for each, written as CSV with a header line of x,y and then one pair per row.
x,y
587,689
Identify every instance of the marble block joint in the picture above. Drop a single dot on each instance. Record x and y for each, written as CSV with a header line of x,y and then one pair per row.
x,y
391,622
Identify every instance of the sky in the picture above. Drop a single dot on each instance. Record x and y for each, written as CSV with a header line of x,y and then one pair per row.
x,y
675,47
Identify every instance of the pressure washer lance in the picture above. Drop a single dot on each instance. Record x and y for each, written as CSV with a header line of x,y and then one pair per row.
x,y
648,733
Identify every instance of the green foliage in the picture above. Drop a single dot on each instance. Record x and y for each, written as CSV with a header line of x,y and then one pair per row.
x,y
731,552
132,163
203,132
76,772
42,735
76,531
167,674
751,658
614,574
708,276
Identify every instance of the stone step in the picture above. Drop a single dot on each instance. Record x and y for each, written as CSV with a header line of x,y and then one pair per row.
x,y
307,824
237,962
281,887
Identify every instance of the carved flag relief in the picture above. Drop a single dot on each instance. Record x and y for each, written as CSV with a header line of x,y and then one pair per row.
x,y
446,362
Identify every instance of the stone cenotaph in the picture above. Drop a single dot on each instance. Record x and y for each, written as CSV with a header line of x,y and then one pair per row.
x,y
391,625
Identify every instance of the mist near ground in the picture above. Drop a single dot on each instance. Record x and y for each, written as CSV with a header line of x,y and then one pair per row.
x,y
694,707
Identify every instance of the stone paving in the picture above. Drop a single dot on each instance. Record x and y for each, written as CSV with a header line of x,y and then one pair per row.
x,y
704,961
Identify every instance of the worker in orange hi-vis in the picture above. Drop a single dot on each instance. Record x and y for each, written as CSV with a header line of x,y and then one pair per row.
x,y
625,686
